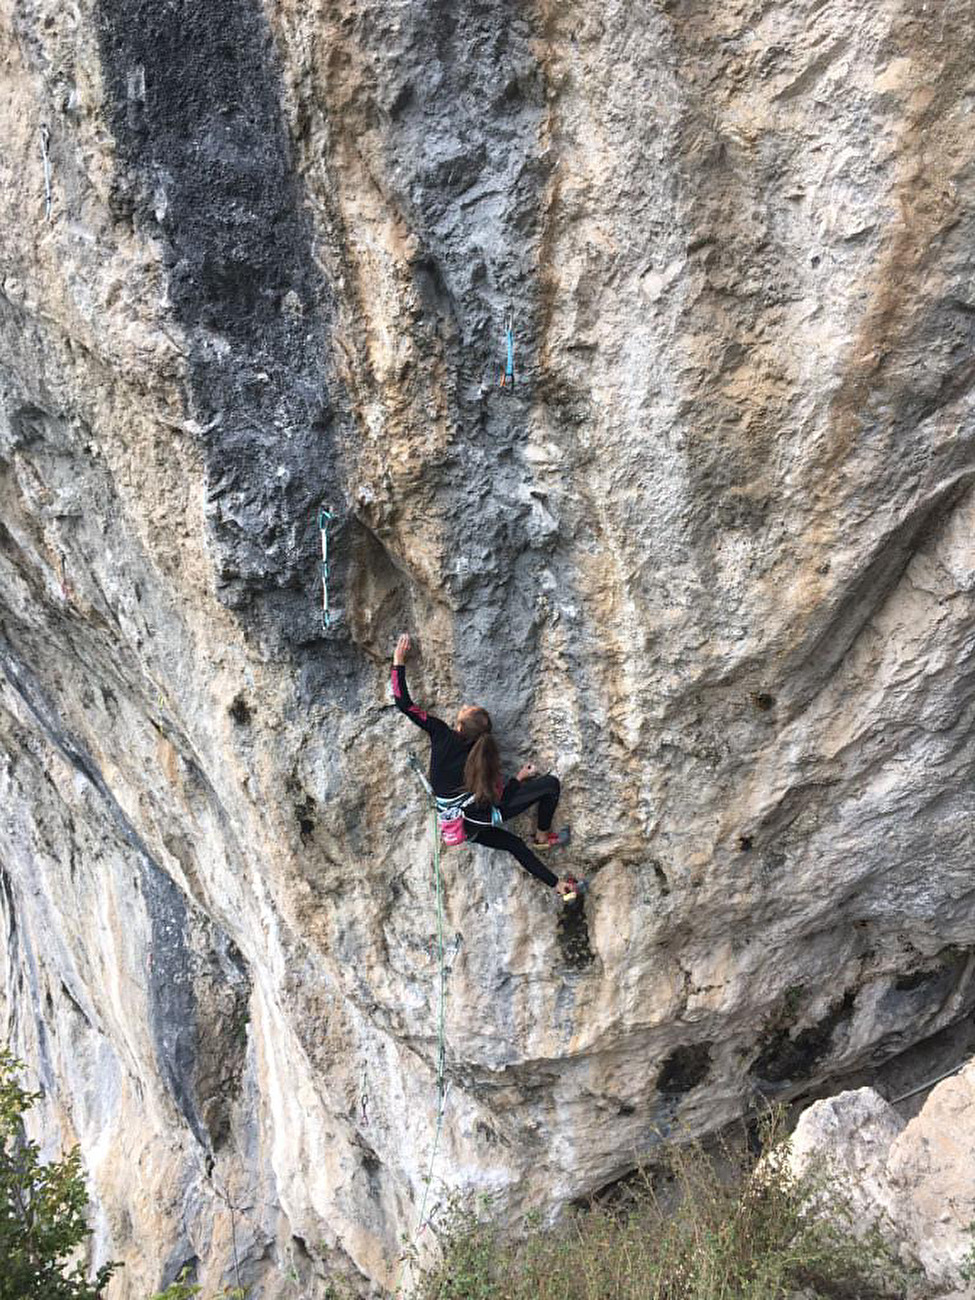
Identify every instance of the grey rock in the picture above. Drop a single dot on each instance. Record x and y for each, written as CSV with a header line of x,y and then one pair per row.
x,y
913,1178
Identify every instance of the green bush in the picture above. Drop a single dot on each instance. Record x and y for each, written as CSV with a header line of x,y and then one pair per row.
x,y
43,1209
182,1289
704,1227
968,1263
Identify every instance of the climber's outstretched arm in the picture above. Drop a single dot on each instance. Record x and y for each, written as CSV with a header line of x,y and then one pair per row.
x,y
401,695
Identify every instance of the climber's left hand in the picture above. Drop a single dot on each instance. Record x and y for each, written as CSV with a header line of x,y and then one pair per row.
x,y
402,649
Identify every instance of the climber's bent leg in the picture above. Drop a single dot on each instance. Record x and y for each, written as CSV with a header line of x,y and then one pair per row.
x,y
494,837
543,790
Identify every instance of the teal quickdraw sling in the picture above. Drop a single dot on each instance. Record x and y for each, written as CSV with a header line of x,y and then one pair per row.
x,y
46,158
324,519
507,378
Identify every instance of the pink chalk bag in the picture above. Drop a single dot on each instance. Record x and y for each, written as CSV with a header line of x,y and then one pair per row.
x,y
450,818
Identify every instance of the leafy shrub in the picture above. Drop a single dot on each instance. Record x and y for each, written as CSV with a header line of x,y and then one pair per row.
x,y
702,1228
183,1289
42,1209
968,1263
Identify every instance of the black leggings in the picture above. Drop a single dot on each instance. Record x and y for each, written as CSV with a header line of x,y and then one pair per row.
x,y
543,790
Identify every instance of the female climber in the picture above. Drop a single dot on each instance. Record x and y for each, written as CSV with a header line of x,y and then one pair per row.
x,y
465,772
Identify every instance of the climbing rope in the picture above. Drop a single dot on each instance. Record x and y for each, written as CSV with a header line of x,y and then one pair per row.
x,y
922,1087
441,997
324,518
507,378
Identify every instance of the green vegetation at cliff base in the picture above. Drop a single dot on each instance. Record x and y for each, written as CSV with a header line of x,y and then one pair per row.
x,y
706,1226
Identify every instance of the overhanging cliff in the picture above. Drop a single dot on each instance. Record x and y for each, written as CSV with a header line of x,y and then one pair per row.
x,y
710,559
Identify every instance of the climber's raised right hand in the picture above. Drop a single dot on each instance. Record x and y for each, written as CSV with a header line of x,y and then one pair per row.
x,y
402,650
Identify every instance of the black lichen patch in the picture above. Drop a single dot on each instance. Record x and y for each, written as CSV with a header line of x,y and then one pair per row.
x,y
772,862
661,876
223,999
572,933
744,843
194,97
763,701
489,1135
240,711
468,102
933,984
792,999
684,1069
906,983
305,816
371,1166
786,1057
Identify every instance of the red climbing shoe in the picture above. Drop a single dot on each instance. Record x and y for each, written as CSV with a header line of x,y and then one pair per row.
x,y
573,894
556,840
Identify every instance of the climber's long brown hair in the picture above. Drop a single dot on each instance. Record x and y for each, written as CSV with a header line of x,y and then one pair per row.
x,y
482,771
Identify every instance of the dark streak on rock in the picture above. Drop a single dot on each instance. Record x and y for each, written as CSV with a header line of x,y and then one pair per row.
x,y
174,1019
933,985
11,936
204,165
75,1004
864,597
786,1057
464,167
573,937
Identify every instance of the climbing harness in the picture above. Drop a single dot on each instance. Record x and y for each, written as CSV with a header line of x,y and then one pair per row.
x,y
452,819
450,811
45,141
324,518
507,371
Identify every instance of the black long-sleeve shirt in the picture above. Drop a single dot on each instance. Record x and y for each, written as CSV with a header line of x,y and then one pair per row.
x,y
448,748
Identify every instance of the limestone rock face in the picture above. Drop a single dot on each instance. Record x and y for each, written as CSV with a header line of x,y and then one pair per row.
x,y
917,1178
710,559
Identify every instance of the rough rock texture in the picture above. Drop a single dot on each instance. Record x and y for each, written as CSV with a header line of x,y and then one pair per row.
x,y
916,1177
711,560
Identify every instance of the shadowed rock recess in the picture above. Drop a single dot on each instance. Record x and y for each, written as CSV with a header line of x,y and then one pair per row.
x,y
710,560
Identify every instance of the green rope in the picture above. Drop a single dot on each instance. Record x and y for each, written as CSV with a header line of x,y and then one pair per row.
x,y
441,1023
441,1017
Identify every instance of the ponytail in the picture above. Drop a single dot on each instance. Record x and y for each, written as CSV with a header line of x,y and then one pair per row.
x,y
482,771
